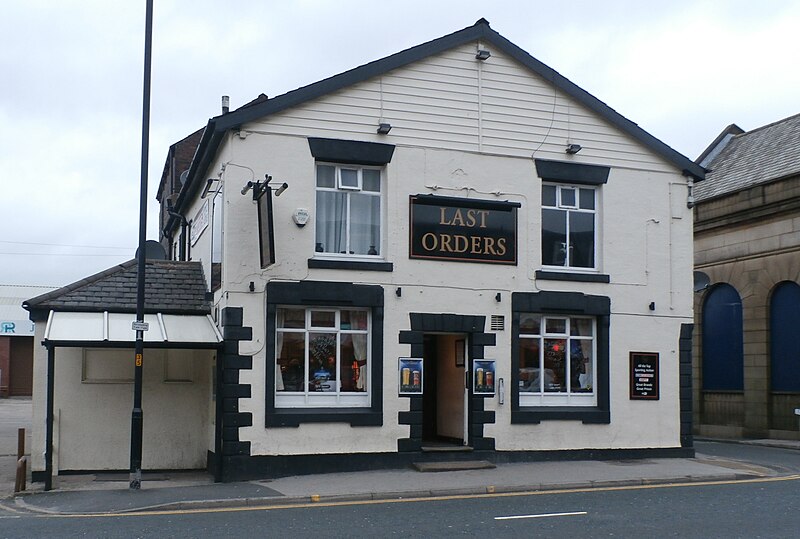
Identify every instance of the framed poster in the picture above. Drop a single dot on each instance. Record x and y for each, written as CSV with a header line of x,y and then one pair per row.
x,y
460,352
410,375
483,373
644,376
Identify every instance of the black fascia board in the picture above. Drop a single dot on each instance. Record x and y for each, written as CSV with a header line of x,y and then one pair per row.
x,y
205,152
479,31
477,203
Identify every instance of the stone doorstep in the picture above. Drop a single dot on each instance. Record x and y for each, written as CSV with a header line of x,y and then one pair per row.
x,y
453,466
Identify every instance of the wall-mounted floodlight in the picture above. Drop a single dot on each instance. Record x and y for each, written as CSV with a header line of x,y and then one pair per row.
x,y
384,128
483,55
572,149
279,191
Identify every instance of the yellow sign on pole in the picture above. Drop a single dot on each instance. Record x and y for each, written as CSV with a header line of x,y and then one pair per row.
x,y
138,360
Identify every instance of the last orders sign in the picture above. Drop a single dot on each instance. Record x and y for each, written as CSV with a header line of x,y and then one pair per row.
x,y
644,375
463,229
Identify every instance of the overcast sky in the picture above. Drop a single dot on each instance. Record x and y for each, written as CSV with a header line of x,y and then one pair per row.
x,y
71,97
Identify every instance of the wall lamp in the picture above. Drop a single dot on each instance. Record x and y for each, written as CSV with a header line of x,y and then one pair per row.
x,y
482,54
384,128
572,149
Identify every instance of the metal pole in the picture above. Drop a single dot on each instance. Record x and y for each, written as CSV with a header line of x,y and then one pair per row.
x,y
137,417
51,389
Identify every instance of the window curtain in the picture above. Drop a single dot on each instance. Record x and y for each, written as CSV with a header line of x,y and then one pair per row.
x,y
360,351
331,222
279,322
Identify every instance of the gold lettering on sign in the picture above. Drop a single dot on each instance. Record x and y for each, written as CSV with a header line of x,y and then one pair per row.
x,y
457,217
429,239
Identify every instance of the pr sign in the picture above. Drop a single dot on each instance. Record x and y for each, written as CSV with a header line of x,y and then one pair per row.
x,y
644,376
463,229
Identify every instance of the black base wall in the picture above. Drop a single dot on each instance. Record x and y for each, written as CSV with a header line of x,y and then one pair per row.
x,y
244,468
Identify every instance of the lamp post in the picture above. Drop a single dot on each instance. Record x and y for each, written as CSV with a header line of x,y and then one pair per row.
x,y
137,417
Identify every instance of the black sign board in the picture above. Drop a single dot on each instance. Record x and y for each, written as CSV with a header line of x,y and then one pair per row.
x,y
266,228
644,376
463,229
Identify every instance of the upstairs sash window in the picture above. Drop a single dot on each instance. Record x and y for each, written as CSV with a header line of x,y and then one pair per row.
x,y
348,215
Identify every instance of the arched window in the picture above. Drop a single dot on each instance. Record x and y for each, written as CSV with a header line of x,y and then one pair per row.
x,y
784,316
723,349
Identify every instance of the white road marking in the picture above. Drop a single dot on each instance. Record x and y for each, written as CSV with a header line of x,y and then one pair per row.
x,y
543,515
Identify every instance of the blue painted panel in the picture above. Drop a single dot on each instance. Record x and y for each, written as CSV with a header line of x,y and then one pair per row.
x,y
784,315
723,349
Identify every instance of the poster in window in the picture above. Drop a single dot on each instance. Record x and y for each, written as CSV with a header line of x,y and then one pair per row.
x,y
410,375
644,376
483,373
266,228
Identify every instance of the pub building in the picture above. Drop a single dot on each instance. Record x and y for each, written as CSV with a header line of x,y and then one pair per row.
x,y
452,252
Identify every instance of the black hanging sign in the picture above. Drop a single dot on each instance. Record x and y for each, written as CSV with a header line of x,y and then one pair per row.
x,y
644,376
463,229
266,228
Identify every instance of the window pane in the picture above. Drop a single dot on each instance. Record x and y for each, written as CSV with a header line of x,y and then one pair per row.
x,y
372,180
331,224
587,199
581,240
529,323
323,319
555,368
568,197
580,360
365,218
326,176
529,379
549,195
348,178
291,318
353,359
322,362
354,320
580,326
555,325
291,361
554,237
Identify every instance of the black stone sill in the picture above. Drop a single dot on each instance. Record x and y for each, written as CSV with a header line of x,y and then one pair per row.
x,y
574,277
535,415
357,417
353,265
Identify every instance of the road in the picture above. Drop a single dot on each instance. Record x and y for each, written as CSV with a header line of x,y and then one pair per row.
x,y
769,507
741,509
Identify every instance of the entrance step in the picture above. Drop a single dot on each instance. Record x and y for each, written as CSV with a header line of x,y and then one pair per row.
x,y
453,466
445,448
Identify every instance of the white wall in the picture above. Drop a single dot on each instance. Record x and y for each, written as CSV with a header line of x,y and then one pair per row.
x,y
92,428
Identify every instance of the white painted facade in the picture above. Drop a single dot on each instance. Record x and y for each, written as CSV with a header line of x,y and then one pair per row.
x,y
469,129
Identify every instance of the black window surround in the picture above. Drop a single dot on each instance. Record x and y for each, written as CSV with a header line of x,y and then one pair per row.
x,y
352,152
352,265
565,303
574,277
565,172
319,293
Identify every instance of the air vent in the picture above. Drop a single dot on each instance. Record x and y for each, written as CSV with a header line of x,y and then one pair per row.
x,y
498,322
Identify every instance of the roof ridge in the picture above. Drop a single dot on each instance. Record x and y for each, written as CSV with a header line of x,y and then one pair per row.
x,y
767,126
78,284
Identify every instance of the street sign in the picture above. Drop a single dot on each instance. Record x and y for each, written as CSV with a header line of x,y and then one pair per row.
x,y
137,325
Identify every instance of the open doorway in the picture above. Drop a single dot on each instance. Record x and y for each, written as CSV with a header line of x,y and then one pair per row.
x,y
445,415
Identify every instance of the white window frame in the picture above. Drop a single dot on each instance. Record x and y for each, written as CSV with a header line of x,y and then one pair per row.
x,y
575,209
333,399
568,398
339,187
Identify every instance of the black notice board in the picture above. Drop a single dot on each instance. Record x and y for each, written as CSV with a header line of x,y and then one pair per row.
x,y
644,376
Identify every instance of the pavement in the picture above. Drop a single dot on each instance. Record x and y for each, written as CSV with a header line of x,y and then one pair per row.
x,y
177,491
